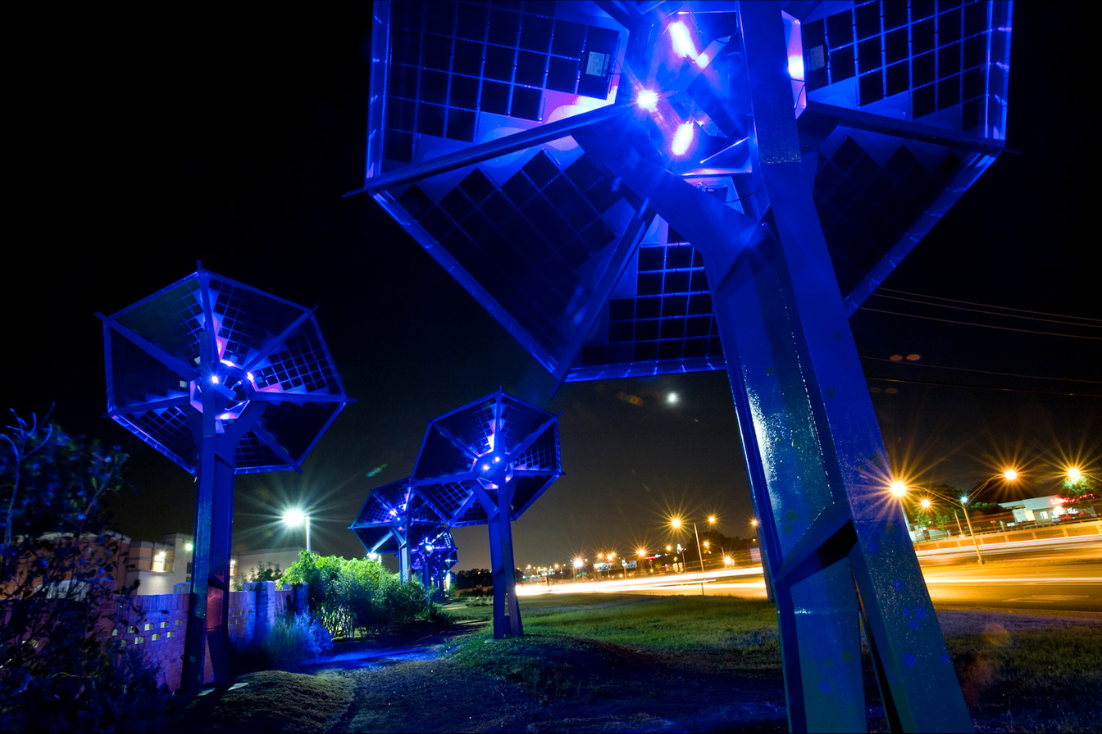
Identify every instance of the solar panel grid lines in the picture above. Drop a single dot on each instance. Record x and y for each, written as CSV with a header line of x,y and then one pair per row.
x,y
451,61
865,207
937,51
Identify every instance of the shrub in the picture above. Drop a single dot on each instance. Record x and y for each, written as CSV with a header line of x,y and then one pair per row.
x,y
292,641
355,596
56,583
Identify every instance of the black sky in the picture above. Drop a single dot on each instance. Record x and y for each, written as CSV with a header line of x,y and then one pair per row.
x,y
143,143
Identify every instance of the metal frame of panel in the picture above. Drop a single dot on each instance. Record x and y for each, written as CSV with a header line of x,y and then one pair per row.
x,y
792,155
222,379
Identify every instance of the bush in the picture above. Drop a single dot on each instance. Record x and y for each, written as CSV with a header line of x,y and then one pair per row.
x,y
355,596
293,641
56,582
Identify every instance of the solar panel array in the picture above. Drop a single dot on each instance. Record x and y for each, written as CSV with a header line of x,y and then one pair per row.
x,y
390,509
501,440
451,61
529,233
527,239
938,51
266,348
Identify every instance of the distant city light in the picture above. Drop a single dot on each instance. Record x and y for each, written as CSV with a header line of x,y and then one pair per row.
x,y
578,563
682,139
647,99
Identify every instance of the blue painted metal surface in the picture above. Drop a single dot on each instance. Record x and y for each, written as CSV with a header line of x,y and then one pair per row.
x,y
750,175
486,463
222,379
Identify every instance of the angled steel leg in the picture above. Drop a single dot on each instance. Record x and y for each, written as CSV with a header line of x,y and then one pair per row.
x,y
506,607
218,591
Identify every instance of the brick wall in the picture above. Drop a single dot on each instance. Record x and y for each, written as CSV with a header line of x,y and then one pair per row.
x,y
157,624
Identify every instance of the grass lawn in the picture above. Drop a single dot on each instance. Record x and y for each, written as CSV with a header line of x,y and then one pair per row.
x,y
625,662
1015,676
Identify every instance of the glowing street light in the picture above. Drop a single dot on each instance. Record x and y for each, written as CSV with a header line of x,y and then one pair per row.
x,y
294,518
675,523
1074,475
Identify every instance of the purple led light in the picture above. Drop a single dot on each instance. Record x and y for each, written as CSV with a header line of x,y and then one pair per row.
x,y
682,139
682,41
647,99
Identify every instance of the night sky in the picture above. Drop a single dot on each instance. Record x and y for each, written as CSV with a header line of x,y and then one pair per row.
x,y
144,143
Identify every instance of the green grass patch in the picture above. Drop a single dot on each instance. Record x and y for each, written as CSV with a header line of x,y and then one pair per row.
x,y
719,632
1055,671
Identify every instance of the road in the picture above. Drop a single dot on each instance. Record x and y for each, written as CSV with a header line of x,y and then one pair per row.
x,y
1037,577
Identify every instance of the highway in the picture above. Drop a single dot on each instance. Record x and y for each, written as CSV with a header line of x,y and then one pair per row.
x,y
1040,577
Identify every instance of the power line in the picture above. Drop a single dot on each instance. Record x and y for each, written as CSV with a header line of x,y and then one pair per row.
x,y
984,372
985,326
987,305
988,387
990,313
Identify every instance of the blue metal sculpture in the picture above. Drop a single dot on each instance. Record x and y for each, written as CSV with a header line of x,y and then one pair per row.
x,y
223,379
648,188
486,463
434,557
396,519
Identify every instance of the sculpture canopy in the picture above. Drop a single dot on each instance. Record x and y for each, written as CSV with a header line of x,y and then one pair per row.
x,y
479,117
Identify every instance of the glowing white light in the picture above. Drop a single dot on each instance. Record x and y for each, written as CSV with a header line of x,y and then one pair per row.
x,y
682,41
497,459
189,547
227,361
215,379
702,60
682,139
294,518
250,377
647,99
796,66
485,467
672,398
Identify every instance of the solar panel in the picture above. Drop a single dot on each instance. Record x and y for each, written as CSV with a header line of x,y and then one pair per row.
x,y
475,450
273,373
919,89
395,516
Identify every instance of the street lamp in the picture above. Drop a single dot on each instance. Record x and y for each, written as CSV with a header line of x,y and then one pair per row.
x,y
675,523
294,518
578,563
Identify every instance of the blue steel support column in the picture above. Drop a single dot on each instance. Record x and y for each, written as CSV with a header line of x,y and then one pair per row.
x,y
218,591
506,607
196,635
818,617
404,562
826,391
